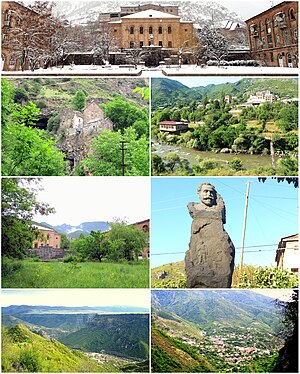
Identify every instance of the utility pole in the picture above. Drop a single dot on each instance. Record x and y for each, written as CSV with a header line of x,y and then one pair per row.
x,y
123,156
244,225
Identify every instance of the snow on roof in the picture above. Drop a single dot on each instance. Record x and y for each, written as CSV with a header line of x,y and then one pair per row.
x,y
151,13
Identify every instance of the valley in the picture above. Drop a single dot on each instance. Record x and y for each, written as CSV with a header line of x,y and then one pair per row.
x,y
105,342
212,341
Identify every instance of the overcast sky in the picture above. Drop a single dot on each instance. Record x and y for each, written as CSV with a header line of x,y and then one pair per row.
x,y
246,8
75,297
85,199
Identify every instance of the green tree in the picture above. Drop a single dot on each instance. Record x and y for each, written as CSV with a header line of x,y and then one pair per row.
x,y
124,114
64,243
97,246
19,204
79,100
106,155
287,165
173,160
131,240
26,150
288,117
157,165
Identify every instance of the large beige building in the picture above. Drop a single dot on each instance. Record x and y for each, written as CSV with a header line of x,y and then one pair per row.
x,y
152,28
46,237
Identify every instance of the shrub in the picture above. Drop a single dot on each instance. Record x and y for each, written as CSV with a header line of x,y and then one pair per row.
x,y
268,277
30,361
72,258
9,266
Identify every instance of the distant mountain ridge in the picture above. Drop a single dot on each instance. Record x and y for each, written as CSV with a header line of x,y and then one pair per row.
x,y
84,228
241,307
200,12
169,92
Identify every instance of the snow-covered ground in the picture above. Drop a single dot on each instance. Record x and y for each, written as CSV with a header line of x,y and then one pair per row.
x,y
184,70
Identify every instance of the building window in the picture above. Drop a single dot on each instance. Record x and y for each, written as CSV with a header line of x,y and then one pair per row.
x,y
141,30
271,57
169,44
278,43
141,44
261,26
131,45
268,26
150,30
160,43
270,42
115,30
169,30
286,37
264,43
12,62
289,60
295,34
7,18
5,38
160,30
131,30
292,14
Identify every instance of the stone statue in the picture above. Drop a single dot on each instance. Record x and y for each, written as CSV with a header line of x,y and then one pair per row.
x,y
209,262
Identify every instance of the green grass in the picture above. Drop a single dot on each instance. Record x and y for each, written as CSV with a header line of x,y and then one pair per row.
x,y
80,275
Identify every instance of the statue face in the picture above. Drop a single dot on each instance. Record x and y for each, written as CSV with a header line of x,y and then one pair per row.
x,y
207,195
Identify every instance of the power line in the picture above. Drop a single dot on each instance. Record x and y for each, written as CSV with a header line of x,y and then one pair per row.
x,y
251,246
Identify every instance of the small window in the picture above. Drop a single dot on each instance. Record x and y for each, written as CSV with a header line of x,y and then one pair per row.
x,y
292,14
141,44
131,45
169,30
295,34
160,30
141,30
150,30
169,44
131,30
160,43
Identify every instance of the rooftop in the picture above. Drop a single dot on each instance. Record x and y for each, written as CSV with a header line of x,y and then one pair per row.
x,y
151,13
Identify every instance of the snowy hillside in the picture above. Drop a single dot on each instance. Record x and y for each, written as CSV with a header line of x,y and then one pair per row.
x,y
79,12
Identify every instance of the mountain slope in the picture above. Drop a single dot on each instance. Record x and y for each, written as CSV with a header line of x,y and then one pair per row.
x,y
120,335
241,308
22,350
167,92
201,12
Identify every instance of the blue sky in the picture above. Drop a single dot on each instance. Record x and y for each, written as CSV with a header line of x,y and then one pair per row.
x,y
272,214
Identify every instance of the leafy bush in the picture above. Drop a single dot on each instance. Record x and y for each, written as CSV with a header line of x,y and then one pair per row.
x,y
268,277
9,267
72,258
30,361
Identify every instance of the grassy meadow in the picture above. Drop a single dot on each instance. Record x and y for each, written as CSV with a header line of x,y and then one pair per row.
x,y
29,273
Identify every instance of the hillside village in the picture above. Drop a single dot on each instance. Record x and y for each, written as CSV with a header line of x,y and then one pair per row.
x,y
232,118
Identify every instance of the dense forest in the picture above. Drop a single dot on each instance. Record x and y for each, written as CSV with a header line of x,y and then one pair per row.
x,y
39,137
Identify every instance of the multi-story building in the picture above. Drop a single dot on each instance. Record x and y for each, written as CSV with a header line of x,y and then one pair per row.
x,y
46,237
127,10
273,35
145,226
287,254
152,27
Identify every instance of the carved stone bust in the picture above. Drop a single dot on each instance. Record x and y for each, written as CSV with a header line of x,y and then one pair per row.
x,y
209,262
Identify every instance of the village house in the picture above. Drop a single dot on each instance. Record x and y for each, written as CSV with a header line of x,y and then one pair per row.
x,y
46,237
173,126
273,35
259,98
145,226
90,120
287,255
